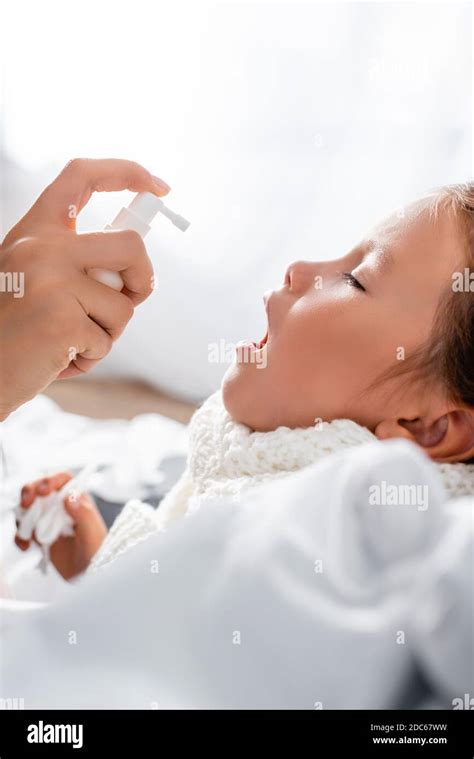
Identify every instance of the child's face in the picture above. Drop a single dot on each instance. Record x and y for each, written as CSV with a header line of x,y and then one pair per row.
x,y
328,339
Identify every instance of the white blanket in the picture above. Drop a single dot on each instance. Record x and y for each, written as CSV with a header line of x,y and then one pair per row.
x,y
305,594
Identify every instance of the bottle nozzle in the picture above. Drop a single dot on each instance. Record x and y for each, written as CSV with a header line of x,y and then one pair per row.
x,y
145,205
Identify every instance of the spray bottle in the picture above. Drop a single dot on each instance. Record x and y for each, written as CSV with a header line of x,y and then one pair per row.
x,y
137,216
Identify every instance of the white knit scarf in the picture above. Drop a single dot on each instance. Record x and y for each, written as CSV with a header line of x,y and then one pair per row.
x,y
226,458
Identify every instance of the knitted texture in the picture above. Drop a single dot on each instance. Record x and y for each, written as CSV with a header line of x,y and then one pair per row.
x,y
226,459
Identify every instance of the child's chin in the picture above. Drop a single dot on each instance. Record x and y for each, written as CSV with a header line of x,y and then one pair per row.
x,y
237,396
230,387
242,399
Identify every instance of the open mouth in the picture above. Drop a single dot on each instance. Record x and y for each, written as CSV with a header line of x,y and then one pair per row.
x,y
262,342
249,351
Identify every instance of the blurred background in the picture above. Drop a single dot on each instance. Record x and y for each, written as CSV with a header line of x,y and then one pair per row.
x,y
284,129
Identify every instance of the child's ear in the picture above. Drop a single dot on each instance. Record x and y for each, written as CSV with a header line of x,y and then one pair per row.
x,y
448,438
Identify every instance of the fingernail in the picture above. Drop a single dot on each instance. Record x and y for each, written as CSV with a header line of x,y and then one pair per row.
x,y
161,184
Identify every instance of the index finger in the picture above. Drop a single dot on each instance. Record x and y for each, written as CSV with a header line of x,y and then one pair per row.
x,y
66,196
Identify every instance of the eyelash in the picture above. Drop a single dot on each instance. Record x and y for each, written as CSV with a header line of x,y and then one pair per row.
x,y
352,281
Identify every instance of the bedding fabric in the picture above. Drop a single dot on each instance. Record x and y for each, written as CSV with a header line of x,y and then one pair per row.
x,y
305,594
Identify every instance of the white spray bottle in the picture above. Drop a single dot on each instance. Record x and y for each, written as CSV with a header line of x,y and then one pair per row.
x,y
137,216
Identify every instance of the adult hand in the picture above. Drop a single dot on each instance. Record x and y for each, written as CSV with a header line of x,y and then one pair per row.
x,y
55,320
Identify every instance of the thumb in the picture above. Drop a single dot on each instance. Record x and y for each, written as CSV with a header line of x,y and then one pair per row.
x,y
88,522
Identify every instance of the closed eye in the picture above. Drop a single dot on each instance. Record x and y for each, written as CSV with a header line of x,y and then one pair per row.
x,y
352,281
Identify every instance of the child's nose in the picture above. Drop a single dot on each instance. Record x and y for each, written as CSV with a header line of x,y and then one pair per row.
x,y
301,275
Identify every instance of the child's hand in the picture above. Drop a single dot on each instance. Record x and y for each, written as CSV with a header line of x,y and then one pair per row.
x,y
70,555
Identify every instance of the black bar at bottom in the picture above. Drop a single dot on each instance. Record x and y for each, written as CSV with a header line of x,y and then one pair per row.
x,y
25,733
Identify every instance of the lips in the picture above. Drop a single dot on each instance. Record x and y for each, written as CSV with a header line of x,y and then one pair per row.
x,y
266,298
244,346
262,342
